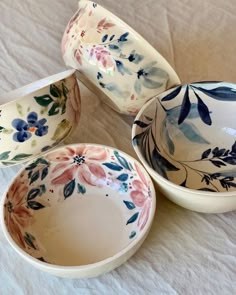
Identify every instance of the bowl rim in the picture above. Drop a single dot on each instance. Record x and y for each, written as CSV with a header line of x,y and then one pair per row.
x,y
142,41
157,175
23,91
85,267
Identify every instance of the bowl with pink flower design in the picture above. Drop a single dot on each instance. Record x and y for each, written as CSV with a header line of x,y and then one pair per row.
x,y
37,117
113,60
79,211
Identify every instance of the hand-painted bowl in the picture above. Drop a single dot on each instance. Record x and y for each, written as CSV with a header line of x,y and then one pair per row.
x,y
113,60
37,117
79,211
185,138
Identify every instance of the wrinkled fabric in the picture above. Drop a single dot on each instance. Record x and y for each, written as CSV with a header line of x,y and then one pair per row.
x,y
185,252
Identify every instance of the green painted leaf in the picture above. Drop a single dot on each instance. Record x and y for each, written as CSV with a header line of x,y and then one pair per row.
x,y
28,238
129,205
34,177
4,155
69,188
33,193
62,130
34,143
7,131
133,218
54,110
132,234
65,90
1,129
41,161
55,91
35,205
44,173
42,189
20,157
19,109
81,188
43,100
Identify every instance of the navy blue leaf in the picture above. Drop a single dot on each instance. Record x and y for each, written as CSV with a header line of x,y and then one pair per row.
x,y
162,164
34,177
172,94
31,166
81,189
133,218
113,47
35,205
220,93
205,154
33,193
113,166
218,163
42,161
132,234
44,173
99,76
122,160
185,107
220,152
112,37
42,259
141,124
123,177
169,141
129,205
233,149
230,160
192,133
123,37
104,38
69,188
215,151
29,240
206,189
203,110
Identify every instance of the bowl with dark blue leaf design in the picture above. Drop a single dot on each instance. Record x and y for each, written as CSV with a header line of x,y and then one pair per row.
x,y
186,139
79,211
113,60
37,117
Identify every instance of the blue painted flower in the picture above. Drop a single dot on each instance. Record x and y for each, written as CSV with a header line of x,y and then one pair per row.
x,y
150,77
32,125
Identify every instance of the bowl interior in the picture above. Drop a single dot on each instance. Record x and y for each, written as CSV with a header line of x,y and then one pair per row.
x,y
79,205
187,136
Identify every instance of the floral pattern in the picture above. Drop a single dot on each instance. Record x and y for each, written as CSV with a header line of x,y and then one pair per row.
x,y
31,129
32,125
189,115
70,171
114,56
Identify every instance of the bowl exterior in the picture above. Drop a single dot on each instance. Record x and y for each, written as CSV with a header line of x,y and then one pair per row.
x,y
113,59
38,121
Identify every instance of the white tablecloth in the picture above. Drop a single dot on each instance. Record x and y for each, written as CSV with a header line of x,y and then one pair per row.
x,y
185,252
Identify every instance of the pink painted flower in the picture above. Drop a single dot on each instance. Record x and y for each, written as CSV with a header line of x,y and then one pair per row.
x,y
100,56
17,216
78,55
64,44
83,162
141,197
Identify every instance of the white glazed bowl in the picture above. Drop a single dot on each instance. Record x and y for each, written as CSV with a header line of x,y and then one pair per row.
x,y
185,138
37,117
79,211
113,60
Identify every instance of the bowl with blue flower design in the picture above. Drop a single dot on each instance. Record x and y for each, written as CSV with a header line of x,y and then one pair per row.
x,y
79,210
37,117
113,60
185,137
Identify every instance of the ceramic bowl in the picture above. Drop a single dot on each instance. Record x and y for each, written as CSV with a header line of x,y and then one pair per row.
x,y
37,117
185,138
113,60
79,211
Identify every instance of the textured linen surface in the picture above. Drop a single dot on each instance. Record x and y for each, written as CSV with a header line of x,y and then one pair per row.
x,y
185,252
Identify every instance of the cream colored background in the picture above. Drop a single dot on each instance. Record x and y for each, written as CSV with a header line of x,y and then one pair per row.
x,y
186,252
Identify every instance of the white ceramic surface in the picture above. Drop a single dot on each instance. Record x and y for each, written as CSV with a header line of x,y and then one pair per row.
x,y
37,117
113,60
79,211
185,138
